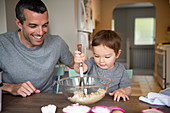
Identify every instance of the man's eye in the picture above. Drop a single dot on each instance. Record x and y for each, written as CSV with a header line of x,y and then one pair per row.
x,y
107,57
46,25
32,26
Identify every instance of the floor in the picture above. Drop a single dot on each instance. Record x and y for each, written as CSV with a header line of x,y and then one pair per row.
x,y
143,84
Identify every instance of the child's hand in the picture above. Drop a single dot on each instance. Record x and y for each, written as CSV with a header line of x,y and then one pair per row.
x,y
119,94
79,57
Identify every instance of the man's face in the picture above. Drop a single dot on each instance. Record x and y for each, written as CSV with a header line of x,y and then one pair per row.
x,y
34,29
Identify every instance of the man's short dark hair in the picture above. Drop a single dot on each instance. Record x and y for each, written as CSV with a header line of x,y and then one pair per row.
x,y
34,5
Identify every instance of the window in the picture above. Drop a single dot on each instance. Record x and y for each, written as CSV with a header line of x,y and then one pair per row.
x,y
144,31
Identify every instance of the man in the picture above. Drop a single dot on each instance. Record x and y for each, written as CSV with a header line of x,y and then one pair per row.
x,y
29,55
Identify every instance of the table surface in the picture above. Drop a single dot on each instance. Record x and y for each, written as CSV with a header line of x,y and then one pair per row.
x,y
33,103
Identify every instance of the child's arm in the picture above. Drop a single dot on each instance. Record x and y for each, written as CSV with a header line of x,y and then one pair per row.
x,y
79,58
121,93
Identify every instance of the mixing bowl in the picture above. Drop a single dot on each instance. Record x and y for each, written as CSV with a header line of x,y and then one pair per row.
x,y
84,90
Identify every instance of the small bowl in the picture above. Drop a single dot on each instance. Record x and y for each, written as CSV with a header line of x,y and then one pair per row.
x,y
76,108
101,109
91,91
105,109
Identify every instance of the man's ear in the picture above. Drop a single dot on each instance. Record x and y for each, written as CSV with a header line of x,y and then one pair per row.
x,y
118,54
18,23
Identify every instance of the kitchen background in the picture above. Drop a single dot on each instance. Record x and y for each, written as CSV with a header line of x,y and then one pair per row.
x,y
118,15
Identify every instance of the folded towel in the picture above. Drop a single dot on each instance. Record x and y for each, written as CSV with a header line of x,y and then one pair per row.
x,y
166,91
156,99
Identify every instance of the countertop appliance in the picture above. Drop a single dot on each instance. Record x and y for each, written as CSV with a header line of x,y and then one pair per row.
x,y
163,64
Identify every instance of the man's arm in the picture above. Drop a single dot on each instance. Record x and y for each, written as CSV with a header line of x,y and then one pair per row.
x,y
24,89
71,65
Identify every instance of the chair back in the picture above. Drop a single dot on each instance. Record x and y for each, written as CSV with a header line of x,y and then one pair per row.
x,y
72,73
130,73
58,71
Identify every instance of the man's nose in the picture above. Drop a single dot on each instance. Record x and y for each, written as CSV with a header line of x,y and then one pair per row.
x,y
40,31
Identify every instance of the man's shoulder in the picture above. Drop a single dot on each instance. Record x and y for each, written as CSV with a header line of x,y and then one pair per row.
x,y
8,36
53,38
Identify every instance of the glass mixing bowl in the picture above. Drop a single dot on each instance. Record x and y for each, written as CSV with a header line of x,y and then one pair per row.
x,y
84,90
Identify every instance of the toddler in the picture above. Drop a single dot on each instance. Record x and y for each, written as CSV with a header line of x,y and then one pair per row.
x,y
106,49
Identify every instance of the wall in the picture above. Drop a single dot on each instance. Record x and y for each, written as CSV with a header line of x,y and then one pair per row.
x,y
62,20
124,23
10,14
3,28
162,9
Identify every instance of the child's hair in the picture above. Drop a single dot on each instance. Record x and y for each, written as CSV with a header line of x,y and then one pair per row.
x,y
107,38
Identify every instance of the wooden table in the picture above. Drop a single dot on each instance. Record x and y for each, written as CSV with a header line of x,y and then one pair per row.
x,y
33,104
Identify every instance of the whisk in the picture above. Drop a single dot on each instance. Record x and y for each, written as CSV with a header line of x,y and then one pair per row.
x,y
82,83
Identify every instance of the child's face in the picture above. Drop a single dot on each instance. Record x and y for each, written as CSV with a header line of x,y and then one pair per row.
x,y
104,57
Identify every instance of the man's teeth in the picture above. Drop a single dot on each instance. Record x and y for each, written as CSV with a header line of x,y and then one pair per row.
x,y
38,37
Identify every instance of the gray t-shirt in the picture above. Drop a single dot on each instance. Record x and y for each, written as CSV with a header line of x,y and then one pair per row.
x,y
20,64
118,74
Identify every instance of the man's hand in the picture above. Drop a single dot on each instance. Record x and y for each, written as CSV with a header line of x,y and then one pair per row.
x,y
24,89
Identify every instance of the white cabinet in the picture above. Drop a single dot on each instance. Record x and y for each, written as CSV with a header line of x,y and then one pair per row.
x,y
163,65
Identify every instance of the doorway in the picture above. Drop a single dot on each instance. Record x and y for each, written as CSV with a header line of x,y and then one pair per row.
x,y
139,55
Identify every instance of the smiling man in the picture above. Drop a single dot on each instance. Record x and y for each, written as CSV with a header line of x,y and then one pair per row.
x,y
34,28
29,55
